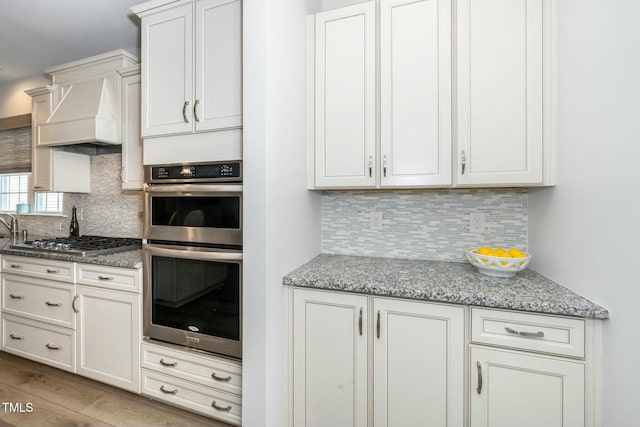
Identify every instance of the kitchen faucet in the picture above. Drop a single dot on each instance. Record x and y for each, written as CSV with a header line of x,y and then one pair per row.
x,y
12,227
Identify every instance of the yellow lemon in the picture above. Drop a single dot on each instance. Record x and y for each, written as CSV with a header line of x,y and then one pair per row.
x,y
485,251
504,263
516,253
499,252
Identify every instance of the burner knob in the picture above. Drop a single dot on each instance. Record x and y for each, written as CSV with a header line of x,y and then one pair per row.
x,y
58,246
65,246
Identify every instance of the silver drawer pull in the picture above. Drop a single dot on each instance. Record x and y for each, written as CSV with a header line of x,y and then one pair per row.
x,y
170,365
16,266
165,391
105,277
14,296
53,347
217,378
53,304
538,334
220,408
73,304
15,337
479,389
52,271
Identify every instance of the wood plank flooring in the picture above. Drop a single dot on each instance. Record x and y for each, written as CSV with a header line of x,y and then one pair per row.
x,y
58,398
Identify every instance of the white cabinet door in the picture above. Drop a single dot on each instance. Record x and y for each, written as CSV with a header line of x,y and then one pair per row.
x,y
345,107
42,100
167,72
108,337
415,92
131,174
329,359
518,389
418,364
500,91
218,89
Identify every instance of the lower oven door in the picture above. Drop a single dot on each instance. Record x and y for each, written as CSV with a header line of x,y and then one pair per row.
x,y
193,297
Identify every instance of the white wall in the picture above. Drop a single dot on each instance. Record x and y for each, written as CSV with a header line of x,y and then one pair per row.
x,y
585,233
282,219
13,100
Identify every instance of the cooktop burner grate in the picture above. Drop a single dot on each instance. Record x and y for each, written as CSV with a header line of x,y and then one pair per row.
x,y
79,246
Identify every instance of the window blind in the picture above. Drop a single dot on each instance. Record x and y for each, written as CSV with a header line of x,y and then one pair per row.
x,y
15,150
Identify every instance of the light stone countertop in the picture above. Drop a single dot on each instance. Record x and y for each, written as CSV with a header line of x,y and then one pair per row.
x,y
440,281
128,259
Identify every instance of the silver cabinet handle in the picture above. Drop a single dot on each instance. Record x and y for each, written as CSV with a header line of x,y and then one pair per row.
x,y
105,278
38,187
195,110
378,325
479,389
14,296
15,337
16,266
360,322
221,379
384,166
52,271
53,304
463,158
370,166
170,365
165,391
220,408
53,347
184,111
73,304
538,334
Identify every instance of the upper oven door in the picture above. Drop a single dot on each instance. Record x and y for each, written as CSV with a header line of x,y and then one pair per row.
x,y
199,213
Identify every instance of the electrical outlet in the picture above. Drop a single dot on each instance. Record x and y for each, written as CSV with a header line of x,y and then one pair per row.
x,y
375,221
477,223
57,226
81,214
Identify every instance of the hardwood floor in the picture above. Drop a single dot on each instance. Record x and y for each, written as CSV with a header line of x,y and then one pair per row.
x,y
32,394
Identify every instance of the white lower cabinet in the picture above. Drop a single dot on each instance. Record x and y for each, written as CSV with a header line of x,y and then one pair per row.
x,y
417,353
196,381
108,336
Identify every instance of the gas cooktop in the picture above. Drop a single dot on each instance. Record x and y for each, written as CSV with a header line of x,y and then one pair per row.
x,y
79,246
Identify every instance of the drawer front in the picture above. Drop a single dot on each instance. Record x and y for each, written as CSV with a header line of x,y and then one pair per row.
x,y
121,279
194,397
37,267
524,331
42,300
221,374
38,341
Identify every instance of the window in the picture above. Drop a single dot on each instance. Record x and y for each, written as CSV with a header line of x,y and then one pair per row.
x,y
48,202
14,189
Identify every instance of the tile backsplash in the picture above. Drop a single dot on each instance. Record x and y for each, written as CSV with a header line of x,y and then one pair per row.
x,y
108,211
428,224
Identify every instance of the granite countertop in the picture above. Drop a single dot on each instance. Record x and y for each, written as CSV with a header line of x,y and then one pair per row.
x,y
440,281
128,259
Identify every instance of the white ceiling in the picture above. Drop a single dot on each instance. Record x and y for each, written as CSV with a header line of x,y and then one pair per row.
x,y
35,34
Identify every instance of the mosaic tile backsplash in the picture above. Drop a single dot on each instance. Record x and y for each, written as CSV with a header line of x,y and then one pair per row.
x,y
429,224
108,211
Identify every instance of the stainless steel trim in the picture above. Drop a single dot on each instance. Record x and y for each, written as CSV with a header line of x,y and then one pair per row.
x,y
162,389
221,379
220,408
14,296
479,389
53,347
538,334
184,111
181,189
53,304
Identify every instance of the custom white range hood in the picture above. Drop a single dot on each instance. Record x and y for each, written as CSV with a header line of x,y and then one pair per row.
x,y
88,106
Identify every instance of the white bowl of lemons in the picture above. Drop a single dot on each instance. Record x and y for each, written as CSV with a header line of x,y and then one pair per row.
x,y
498,262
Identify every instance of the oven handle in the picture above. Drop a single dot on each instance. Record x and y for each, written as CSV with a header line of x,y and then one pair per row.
x,y
193,188
204,254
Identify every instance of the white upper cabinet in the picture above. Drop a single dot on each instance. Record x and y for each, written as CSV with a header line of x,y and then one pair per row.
x,y
415,93
345,104
504,58
191,67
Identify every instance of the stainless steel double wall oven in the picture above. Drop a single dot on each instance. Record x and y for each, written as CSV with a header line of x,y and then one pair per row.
x,y
193,256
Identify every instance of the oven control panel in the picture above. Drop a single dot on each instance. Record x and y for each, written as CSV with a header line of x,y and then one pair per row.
x,y
210,172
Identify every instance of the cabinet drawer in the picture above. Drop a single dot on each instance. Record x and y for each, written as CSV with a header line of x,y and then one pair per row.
x,y
38,299
44,343
116,278
221,374
533,332
194,397
36,267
